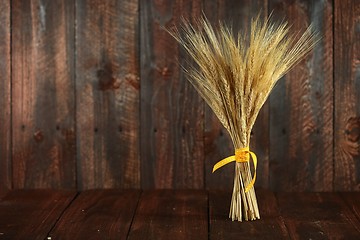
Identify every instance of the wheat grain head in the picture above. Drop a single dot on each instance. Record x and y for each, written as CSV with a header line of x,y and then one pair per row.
x,y
235,74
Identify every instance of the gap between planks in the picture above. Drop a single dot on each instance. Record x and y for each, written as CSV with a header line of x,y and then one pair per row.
x,y
62,213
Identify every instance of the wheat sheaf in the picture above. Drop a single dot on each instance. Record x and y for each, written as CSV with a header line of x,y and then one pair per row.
x,y
234,74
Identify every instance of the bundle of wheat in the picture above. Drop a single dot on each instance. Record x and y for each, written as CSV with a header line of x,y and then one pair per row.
x,y
235,75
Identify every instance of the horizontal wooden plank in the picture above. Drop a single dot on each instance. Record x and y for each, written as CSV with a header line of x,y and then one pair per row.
x,y
353,201
317,216
169,214
3,193
98,214
270,226
30,214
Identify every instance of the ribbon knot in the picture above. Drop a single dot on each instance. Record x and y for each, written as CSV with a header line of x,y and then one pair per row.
x,y
241,155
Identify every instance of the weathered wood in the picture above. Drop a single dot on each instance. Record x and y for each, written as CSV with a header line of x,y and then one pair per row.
x,y
107,93
353,200
43,112
301,106
98,214
317,216
217,141
169,214
270,226
347,95
173,140
171,110
5,105
30,214
179,214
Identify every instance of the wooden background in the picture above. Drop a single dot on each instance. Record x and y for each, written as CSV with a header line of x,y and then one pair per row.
x,y
92,96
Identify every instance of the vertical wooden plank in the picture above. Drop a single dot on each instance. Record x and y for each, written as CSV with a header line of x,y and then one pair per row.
x,y
30,214
171,110
347,95
98,214
107,93
43,94
217,141
301,106
5,82
169,214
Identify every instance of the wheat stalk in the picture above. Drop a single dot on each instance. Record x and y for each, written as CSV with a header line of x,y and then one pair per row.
x,y
235,75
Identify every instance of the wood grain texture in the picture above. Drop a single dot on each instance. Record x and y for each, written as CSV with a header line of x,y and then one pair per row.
x,y
171,110
317,216
75,119
270,226
5,98
218,144
301,106
347,95
107,94
169,214
30,214
353,201
43,94
98,214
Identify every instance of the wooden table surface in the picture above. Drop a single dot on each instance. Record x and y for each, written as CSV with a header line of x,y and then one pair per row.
x,y
174,214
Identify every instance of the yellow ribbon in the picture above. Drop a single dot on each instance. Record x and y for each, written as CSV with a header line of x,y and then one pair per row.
x,y
241,155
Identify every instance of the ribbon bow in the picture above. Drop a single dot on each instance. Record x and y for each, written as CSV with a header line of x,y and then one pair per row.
x,y
241,155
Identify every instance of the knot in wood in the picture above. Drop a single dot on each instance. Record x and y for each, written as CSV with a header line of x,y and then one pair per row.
x,y
38,136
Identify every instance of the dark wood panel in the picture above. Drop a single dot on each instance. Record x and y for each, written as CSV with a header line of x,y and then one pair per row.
x,y
171,110
107,93
353,201
217,141
30,214
98,214
179,214
169,214
301,106
180,139
270,226
43,94
317,216
5,105
347,95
